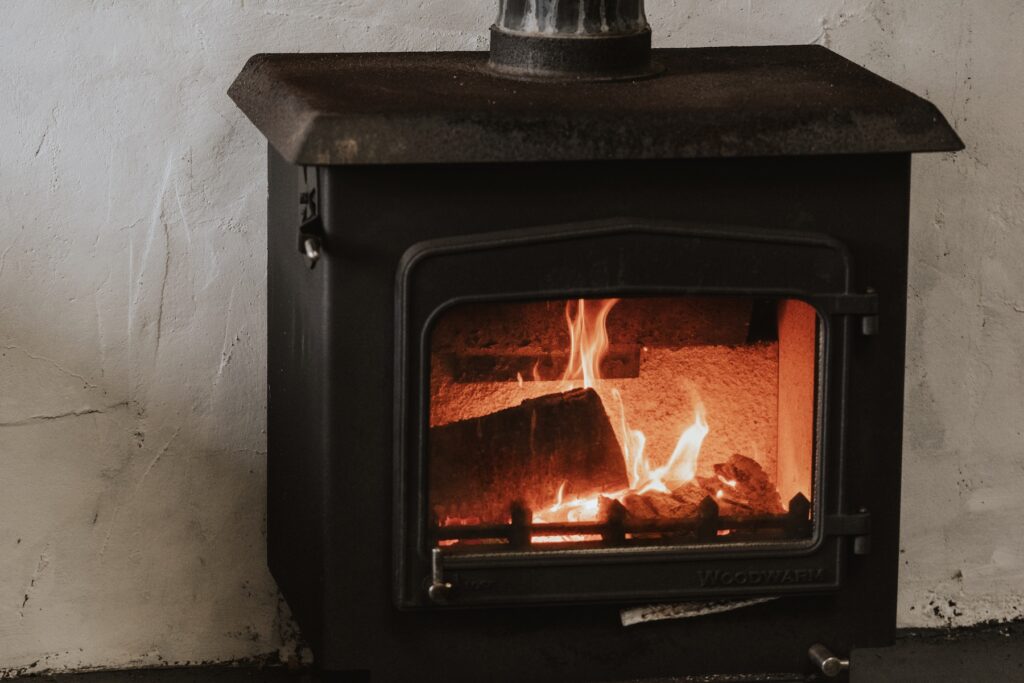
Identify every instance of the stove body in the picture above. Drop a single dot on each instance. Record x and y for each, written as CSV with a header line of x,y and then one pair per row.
x,y
419,184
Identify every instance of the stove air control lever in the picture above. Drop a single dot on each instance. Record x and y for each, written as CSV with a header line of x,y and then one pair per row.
x,y
826,662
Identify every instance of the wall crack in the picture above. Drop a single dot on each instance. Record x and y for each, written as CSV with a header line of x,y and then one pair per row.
x,y
36,419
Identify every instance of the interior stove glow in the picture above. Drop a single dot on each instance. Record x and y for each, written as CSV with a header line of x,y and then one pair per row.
x,y
632,422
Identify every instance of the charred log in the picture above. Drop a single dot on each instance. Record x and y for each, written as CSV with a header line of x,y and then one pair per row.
x,y
740,488
745,488
524,453
680,504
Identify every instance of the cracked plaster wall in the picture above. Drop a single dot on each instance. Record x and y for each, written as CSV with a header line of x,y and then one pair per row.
x,y
132,214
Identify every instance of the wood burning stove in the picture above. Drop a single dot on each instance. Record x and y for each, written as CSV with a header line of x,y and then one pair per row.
x,y
587,329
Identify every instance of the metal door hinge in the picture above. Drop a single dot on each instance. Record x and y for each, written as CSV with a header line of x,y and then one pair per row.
x,y
869,321
864,305
857,525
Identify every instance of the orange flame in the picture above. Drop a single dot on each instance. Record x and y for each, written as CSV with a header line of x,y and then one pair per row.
x,y
632,448
682,465
588,335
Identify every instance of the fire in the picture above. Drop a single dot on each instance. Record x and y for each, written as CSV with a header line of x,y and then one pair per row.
x,y
575,510
588,335
632,447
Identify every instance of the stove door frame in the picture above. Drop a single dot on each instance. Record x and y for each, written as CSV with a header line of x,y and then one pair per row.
x,y
619,257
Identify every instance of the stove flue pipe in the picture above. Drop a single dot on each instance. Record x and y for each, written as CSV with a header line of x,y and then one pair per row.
x,y
571,40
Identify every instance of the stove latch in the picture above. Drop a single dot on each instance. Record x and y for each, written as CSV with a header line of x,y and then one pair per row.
x,y
869,322
856,525
864,305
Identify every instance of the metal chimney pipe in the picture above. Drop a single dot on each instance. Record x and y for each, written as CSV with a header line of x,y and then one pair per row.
x,y
571,40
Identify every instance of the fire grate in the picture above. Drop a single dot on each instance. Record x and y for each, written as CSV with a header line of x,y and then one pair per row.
x,y
617,530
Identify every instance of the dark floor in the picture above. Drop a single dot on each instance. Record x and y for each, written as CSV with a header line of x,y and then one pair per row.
x,y
200,674
984,654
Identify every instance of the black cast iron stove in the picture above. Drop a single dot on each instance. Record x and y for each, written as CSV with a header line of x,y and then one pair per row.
x,y
585,361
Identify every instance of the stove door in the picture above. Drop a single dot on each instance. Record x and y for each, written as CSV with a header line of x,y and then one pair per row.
x,y
621,411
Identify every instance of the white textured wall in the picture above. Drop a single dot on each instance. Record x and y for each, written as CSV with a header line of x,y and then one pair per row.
x,y
132,282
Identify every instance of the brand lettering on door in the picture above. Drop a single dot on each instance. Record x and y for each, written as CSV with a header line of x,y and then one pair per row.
x,y
759,577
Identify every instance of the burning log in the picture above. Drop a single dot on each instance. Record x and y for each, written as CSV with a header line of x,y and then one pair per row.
x,y
680,504
740,488
745,488
524,453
